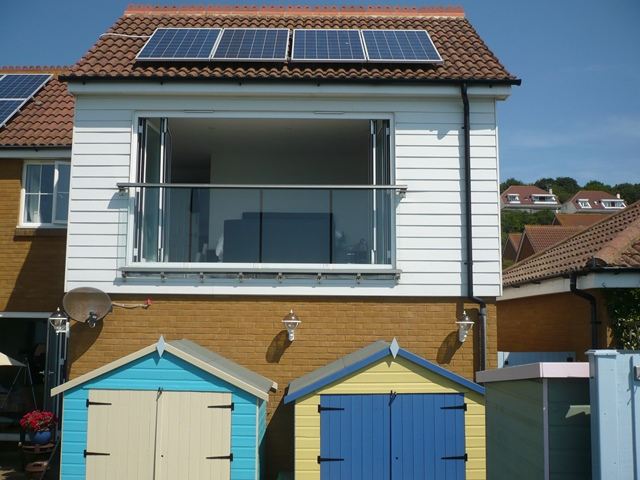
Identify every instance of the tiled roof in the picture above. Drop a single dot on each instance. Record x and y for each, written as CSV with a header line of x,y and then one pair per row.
x,y
542,237
612,242
514,239
594,197
465,55
578,219
44,121
524,192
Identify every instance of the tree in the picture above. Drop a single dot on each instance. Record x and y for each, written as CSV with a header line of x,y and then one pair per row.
x,y
509,182
630,192
563,187
597,185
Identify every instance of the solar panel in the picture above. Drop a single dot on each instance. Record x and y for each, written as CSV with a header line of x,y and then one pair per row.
x,y
257,44
400,46
327,45
180,44
21,86
7,109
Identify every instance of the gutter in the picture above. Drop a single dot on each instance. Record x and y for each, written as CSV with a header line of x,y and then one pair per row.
x,y
482,311
594,307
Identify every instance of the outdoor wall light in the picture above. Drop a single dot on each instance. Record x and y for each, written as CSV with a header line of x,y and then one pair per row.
x,y
291,322
464,326
60,322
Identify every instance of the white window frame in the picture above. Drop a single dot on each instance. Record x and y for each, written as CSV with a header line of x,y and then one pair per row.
x,y
513,197
249,115
546,198
611,204
584,203
54,223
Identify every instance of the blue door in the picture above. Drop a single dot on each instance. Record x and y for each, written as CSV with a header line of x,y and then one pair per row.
x,y
354,437
427,436
392,437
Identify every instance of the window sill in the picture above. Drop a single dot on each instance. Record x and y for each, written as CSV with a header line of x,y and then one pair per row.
x,y
47,231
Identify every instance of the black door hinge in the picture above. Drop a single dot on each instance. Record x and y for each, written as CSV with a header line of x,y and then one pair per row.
x,y
222,457
329,459
456,407
89,402
458,457
324,409
95,454
230,406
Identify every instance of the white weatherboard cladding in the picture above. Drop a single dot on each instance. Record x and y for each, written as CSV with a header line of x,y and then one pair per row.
x,y
427,146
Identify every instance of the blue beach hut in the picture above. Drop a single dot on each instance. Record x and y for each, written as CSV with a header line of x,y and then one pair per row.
x,y
170,410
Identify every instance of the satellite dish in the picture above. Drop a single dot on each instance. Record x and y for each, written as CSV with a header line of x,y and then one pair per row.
x,y
87,305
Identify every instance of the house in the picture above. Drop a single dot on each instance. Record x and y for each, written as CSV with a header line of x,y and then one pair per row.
x,y
528,198
352,189
577,219
511,247
35,153
536,238
594,201
556,300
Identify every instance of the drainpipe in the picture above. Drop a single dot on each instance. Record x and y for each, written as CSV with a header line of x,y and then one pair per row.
x,y
482,310
594,307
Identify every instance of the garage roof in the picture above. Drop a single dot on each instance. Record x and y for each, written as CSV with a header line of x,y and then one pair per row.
x,y
194,354
361,359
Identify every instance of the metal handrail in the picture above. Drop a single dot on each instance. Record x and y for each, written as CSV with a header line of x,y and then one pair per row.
x,y
125,185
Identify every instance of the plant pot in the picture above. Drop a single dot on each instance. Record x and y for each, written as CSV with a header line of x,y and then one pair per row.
x,y
40,438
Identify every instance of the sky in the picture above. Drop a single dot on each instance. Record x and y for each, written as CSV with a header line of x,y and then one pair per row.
x,y
577,112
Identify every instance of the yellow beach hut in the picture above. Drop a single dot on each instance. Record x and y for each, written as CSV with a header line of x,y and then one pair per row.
x,y
383,412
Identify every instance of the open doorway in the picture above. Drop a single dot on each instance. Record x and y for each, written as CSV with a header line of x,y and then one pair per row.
x,y
268,191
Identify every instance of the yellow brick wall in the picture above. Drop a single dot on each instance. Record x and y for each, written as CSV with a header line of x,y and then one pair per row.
x,y
32,267
550,323
249,331
403,377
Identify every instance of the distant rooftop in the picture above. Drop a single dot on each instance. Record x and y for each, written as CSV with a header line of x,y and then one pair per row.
x,y
612,242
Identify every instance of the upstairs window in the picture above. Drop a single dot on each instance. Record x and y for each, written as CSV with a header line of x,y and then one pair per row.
x,y
544,198
513,198
45,193
584,203
613,204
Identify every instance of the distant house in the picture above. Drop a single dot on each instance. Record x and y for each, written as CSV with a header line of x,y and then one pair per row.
x,y
510,250
578,219
528,198
554,301
594,201
537,238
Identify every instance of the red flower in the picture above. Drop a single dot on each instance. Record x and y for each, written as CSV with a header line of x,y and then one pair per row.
x,y
38,421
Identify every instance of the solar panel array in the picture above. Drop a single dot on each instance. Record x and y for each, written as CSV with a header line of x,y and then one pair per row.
x,y
16,90
400,46
180,44
264,44
327,45
272,44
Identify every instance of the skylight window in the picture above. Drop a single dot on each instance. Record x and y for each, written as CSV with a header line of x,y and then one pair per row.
x,y
513,198
584,203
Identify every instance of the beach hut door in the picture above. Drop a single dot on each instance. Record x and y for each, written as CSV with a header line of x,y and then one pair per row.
x,y
194,436
120,434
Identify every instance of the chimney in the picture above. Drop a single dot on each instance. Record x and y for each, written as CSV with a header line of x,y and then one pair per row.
x,y
617,195
551,191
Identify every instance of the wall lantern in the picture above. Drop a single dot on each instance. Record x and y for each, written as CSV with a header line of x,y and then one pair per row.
x,y
464,326
291,322
60,322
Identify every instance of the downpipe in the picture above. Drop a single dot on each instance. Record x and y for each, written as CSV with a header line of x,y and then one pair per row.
x,y
573,287
482,310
